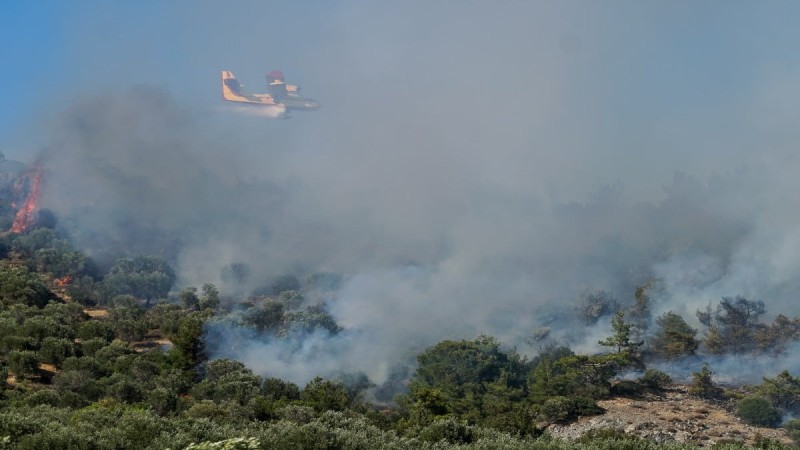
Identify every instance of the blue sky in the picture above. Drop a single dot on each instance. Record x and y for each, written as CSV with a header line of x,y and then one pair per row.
x,y
31,46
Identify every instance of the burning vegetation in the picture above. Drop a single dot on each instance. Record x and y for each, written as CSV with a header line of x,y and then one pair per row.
x,y
26,188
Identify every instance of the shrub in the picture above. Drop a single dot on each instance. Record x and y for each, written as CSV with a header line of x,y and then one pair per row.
x,y
557,409
758,411
793,430
23,363
296,413
447,430
703,385
655,379
239,443
627,388
56,350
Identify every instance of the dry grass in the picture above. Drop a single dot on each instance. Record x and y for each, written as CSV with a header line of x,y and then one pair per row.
x,y
48,367
96,312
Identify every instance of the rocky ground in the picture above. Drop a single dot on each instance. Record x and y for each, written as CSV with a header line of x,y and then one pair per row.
x,y
673,416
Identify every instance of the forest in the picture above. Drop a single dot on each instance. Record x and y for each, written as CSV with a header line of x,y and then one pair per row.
x,y
119,359
115,355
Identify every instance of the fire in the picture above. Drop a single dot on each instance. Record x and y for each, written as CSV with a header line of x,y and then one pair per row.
x,y
27,213
63,281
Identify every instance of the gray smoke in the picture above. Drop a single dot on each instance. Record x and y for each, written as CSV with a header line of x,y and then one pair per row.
x,y
475,168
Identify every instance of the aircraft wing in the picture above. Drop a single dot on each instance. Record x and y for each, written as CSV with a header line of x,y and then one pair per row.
x,y
276,85
232,91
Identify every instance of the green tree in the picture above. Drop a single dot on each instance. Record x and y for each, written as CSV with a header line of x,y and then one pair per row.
x,y
189,299
640,313
130,330
579,376
758,411
46,252
277,389
163,401
324,395
783,391
209,299
60,261
23,363
188,343
20,286
228,380
621,339
703,385
459,376
40,238
166,317
55,350
776,338
674,338
311,319
96,329
268,317
144,277
732,328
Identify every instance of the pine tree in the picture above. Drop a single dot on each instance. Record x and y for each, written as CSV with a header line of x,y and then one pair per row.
x,y
621,339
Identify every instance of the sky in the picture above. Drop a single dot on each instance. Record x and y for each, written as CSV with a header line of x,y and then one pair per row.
x,y
475,166
635,77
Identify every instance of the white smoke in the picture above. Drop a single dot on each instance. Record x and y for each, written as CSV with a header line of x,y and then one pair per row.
x,y
607,159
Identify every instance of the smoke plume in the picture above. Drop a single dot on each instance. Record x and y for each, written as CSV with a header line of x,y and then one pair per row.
x,y
473,169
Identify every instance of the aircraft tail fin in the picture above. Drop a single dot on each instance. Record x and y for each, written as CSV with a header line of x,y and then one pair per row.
x,y
231,88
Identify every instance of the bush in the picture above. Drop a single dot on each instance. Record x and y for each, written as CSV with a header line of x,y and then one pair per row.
x,y
239,443
55,350
627,388
96,329
23,363
447,430
793,430
655,379
44,397
607,434
758,411
296,413
703,385
557,409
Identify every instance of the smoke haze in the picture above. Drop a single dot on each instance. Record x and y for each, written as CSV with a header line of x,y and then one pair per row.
x,y
475,168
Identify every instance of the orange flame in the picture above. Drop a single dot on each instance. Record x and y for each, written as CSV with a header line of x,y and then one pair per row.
x,y
27,213
63,281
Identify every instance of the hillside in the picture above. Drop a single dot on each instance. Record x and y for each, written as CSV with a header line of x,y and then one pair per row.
x,y
670,417
119,356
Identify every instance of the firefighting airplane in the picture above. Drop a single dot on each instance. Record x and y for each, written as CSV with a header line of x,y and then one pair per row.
x,y
280,97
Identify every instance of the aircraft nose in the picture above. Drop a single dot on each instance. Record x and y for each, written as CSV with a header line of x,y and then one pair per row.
x,y
311,104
